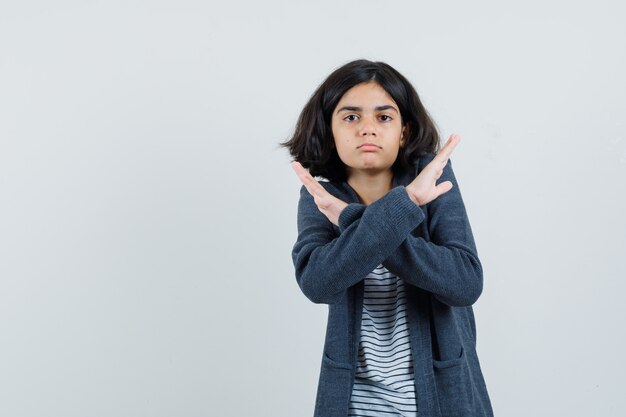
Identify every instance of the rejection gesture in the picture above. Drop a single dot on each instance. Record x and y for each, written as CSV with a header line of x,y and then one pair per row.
x,y
421,190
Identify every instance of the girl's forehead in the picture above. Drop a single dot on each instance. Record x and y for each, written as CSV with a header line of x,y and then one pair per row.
x,y
366,93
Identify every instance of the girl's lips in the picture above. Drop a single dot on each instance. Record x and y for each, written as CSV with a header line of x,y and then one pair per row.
x,y
369,147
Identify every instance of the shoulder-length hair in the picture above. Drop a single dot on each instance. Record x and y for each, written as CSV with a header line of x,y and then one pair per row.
x,y
312,143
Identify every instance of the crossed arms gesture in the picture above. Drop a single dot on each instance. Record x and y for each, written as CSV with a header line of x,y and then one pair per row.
x,y
421,190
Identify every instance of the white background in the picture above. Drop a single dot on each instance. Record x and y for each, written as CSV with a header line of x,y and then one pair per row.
x,y
147,213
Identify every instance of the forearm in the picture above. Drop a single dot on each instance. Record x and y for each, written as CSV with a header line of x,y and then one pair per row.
x,y
327,266
446,262
452,273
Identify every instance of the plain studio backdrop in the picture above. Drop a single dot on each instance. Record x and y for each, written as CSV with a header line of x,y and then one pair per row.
x,y
147,214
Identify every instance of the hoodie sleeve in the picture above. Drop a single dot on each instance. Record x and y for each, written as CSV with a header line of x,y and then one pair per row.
x,y
448,264
327,264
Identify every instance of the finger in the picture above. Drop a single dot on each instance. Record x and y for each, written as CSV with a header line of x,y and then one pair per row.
x,y
443,188
441,159
446,151
313,187
304,175
450,145
299,169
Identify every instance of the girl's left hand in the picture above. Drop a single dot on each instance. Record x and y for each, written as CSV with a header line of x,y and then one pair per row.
x,y
327,203
423,189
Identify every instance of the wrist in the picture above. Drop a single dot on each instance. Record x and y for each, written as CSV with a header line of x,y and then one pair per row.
x,y
412,196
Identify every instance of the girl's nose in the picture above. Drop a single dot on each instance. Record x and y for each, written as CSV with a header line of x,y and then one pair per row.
x,y
367,127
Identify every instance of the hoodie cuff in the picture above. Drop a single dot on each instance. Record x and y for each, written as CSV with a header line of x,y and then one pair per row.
x,y
349,214
401,211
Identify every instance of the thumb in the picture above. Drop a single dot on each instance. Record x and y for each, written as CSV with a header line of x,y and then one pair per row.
x,y
443,188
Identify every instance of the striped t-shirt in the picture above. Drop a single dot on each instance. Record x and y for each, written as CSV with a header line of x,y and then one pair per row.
x,y
384,384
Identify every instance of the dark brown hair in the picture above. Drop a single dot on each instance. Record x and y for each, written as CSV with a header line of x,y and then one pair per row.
x,y
312,143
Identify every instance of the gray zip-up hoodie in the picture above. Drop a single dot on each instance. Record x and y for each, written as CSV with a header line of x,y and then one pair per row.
x,y
431,247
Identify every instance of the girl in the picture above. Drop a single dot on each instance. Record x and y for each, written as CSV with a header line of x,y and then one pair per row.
x,y
387,244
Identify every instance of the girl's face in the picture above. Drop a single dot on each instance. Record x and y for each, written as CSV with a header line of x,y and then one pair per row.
x,y
367,128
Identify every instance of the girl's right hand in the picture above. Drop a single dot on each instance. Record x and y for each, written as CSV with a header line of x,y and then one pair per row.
x,y
422,189
327,203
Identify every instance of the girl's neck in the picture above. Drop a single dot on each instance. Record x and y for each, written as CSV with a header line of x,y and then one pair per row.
x,y
370,187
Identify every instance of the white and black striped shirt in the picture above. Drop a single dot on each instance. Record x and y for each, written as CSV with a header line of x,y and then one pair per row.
x,y
384,384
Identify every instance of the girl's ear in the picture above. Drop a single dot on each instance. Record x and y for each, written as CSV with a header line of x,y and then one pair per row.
x,y
406,131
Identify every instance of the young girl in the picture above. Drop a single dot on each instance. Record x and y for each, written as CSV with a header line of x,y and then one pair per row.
x,y
387,244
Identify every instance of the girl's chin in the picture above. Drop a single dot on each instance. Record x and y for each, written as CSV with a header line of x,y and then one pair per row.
x,y
369,169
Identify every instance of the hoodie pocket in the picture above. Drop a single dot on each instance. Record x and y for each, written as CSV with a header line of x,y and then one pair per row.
x,y
334,388
328,361
454,386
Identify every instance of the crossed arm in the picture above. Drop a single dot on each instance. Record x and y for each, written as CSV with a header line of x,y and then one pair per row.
x,y
421,190
447,265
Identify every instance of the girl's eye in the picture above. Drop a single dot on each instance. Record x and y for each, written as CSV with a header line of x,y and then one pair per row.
x,y
385,117
350,117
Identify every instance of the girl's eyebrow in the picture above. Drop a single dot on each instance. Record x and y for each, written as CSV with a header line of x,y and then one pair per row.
x,y
378,108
